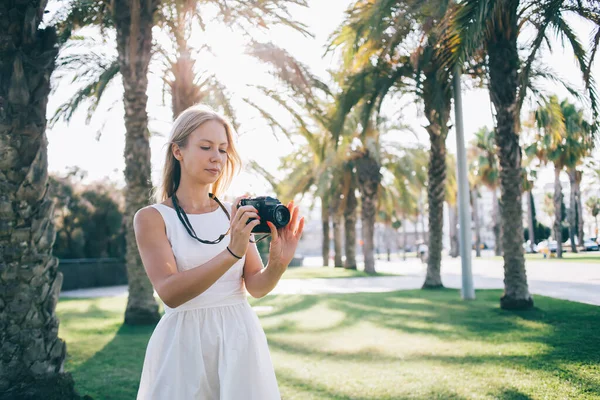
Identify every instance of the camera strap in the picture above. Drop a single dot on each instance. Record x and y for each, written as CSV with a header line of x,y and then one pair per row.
x,y
188,226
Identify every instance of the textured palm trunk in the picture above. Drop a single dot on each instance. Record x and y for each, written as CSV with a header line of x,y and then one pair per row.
x,y
475,203
579,210
558,199
436,191
184,92
336,219
503,70
338,246
530,218
369,177
453,218
32,355
350,228
325,225
573,208
496,222
133,21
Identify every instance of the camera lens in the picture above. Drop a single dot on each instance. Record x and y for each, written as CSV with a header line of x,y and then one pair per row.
x,y
281,216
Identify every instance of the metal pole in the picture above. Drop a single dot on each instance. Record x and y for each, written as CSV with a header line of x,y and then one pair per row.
x,y
464,209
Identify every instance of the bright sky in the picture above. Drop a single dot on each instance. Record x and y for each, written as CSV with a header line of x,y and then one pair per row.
x,y
76,144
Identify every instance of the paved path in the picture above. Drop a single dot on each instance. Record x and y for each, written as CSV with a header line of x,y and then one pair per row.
x,y
570,281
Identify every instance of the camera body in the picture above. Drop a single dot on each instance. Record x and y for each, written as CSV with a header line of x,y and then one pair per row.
x,y
269,209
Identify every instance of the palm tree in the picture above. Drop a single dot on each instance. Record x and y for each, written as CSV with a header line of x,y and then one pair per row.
x,y
579,145
371,39
488,176
494,26
529,177
33,356
550,146
451,200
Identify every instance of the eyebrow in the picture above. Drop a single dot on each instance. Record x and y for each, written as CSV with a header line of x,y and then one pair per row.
x,y
211,142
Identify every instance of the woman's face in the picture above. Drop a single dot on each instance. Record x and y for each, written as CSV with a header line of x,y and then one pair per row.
x,y
205,154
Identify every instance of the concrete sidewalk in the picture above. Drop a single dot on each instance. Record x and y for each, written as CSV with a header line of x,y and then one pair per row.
x,y
569,281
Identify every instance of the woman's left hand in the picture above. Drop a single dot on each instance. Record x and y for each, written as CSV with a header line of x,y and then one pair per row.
x,y
284,241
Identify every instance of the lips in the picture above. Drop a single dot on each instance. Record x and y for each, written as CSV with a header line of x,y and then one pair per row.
x,y
214,170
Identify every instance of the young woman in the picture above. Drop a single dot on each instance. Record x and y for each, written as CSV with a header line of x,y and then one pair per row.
x,y
198,254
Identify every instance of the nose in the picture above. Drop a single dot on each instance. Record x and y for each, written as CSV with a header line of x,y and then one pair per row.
x,y
215,157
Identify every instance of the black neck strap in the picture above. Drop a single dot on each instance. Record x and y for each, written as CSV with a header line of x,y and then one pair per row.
x,y
188,226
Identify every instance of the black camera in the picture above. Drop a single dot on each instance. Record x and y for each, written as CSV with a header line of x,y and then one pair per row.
x,y
269,209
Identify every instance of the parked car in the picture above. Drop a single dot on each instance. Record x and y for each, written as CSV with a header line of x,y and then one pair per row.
x,y
590,245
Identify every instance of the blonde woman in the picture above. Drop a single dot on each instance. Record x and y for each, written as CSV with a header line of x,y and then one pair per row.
x,y
197,253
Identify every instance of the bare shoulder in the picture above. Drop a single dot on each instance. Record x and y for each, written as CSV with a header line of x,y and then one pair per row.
x,y
147,218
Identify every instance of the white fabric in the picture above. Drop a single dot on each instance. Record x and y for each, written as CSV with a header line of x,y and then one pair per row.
x,y
213,346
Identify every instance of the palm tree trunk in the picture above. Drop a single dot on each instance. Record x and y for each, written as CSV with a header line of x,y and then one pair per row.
x,y
558,198
369,177
184,92
337,239
453,218
350,228
475,202
504,75
572,208
325,224
31,365
436,191
530,218
578,177
133,23
496,222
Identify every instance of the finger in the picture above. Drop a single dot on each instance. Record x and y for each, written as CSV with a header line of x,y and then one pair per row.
x,y
248,229
300,228
274,234
234,207
244,210
293,224
246,216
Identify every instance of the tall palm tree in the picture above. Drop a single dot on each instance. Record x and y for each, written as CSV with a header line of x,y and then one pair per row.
x,y
452,200
550,146
579,145
133,24
488,175
33,356
495,26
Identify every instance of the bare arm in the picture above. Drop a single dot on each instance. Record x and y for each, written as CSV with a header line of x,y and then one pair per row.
x,y
174,287
258,279
261,281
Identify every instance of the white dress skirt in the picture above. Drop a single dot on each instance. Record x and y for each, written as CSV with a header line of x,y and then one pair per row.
x,y
213,346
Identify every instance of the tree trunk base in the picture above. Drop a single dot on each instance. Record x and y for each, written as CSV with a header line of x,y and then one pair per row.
x,y
353,267
511,303
57,387
139,316
427,285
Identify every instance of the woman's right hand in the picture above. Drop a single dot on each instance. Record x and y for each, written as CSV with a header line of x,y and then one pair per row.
x,y
241,229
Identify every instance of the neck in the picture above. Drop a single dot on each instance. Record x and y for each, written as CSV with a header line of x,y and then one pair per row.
x,y
192,196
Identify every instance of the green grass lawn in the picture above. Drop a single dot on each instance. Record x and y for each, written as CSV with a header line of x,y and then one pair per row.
x,y
398,345
583,257
325,272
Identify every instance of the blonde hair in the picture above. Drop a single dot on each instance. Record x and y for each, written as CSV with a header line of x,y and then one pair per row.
x,y
186,123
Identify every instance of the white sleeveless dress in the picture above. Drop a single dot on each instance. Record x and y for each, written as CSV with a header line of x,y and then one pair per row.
x,y
213,346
